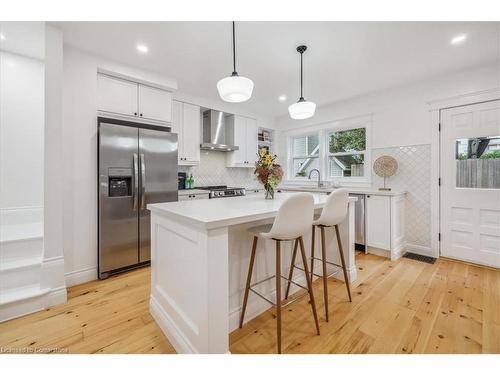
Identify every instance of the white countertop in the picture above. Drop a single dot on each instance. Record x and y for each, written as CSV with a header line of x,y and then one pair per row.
x,y
193,191
216,213
354,190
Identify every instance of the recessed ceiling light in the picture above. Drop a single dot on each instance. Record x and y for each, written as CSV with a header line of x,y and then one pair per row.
x,y
282,98
2,37
142,48
458,39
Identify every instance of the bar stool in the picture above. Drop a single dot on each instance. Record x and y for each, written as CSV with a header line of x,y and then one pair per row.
x,y
332,215
293,220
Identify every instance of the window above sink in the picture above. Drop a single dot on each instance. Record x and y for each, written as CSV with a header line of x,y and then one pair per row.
x,y
340,150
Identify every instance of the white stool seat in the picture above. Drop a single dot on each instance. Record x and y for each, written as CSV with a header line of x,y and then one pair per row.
x,y
260,230
293,220
335,209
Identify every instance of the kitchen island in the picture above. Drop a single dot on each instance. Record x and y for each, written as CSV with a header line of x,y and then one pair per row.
x,y
200,251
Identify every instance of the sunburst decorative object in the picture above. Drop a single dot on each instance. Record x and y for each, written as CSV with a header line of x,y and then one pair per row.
x,y
385,166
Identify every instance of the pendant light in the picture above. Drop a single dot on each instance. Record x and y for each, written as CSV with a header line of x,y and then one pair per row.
x,y
235,89
302,109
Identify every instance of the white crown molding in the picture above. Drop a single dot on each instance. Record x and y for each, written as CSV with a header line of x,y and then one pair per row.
x,y
464,99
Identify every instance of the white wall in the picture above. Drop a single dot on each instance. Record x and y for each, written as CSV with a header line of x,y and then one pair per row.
x,y
53,257
79,153
79,156
21,131
401,115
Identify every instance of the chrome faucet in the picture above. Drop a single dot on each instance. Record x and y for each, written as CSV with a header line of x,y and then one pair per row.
x,y
319,176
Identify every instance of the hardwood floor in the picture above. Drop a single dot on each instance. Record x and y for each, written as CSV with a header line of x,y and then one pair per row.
x,y
398,307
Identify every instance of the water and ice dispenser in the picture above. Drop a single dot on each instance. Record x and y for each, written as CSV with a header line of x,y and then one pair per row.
x,y
119,182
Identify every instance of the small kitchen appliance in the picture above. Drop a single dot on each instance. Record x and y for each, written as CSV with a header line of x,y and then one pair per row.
x,y
222,191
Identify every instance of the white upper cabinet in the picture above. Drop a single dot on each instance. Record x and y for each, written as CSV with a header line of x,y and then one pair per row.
x,y
133,99
155,104
116,95
245,137
177,126
191,133
186,123
252,146
239,157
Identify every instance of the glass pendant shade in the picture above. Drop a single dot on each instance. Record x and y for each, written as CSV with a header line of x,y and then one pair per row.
x,y
302,110
235,89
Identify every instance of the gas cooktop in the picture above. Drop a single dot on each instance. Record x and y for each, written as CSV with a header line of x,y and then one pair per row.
x,y
222,191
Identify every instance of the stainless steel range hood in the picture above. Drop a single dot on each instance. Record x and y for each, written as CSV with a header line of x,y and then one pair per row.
x,y
217,132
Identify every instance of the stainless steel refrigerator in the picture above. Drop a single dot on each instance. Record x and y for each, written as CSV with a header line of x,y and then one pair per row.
x,y
137,165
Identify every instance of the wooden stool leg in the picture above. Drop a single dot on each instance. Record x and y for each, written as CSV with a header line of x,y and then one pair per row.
x,y
325,280
292,266
341,250
249,279
309,283
278,294
313,242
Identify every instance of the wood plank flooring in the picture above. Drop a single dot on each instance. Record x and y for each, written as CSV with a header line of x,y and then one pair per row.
x,y
398,307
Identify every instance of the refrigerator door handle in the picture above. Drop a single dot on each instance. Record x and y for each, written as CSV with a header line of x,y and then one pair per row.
x,y
143,182
136,184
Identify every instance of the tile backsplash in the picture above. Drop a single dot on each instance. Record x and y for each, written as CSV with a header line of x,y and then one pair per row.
x,y
413,175
212,170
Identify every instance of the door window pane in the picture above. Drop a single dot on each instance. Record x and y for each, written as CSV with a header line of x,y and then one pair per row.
x,y
478,162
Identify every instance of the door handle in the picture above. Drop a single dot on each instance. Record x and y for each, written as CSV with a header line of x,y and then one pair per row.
x,y
143,181
136,184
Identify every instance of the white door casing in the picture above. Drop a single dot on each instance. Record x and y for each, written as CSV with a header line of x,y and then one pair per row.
x,y
469,217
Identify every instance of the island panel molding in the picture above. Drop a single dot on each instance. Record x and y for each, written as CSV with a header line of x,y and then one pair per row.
x,y
199,258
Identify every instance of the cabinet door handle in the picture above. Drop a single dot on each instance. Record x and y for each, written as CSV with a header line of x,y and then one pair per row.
x,y
368,196
135,113
140,115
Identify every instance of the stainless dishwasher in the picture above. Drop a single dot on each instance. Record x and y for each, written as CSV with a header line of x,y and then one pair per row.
x,y
359,222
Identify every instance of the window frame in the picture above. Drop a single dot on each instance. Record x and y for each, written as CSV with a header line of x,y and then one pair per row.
x,y
292,157
323,130
330,155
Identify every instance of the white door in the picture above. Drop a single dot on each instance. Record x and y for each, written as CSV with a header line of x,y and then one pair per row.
x,y
378,221
470,183
251,141
116,95
191,132
155,104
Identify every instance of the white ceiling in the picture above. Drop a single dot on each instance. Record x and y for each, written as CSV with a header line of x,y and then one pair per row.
x,y
343,60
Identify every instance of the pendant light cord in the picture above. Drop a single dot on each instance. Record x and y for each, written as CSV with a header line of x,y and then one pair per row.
x,y
301,79
234,53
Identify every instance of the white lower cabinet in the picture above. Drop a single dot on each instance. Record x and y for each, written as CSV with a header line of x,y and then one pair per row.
x,y
186,123
385,225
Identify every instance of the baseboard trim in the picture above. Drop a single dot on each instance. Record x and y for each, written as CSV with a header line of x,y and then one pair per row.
x,y
174,335
31,305
81,276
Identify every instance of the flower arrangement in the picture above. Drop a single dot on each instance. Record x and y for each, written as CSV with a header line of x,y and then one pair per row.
x,y
268,172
